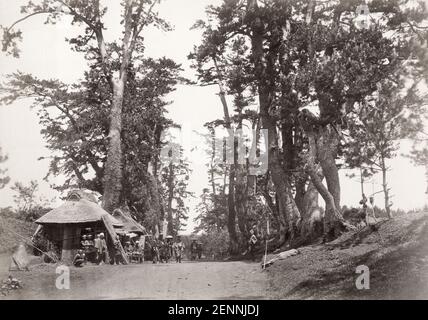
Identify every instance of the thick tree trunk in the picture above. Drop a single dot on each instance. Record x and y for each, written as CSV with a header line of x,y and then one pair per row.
x,y
155,203
113,166
312,219
299,197
288,213
264,68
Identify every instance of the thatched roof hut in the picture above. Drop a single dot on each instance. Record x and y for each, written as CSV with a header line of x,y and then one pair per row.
x,y
73,212
65,225
129,224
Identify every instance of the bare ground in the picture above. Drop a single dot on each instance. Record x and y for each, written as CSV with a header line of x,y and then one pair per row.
x,y
396,254
189,280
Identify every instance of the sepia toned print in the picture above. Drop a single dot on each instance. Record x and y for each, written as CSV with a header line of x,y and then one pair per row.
x,y
213,149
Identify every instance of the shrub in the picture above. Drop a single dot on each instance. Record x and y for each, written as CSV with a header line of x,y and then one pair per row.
x,y
215,244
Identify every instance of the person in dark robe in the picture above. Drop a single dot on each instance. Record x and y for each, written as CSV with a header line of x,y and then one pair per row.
x,y
199,250
193,249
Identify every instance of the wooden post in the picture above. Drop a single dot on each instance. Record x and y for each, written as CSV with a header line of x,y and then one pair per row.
x,y
112,233
67,244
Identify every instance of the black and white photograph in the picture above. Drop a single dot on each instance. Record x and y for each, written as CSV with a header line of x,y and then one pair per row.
x,y
216,150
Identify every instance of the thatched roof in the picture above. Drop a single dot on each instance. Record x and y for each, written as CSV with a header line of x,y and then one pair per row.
x,y
129,224
81,194
77,211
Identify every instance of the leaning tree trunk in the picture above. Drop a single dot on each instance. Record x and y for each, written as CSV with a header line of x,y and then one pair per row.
x,y
326,145
336,219
333,219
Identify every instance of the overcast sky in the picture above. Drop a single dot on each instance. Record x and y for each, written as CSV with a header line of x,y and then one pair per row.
x,y
46,55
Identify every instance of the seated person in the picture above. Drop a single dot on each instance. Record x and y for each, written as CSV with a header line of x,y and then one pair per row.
x,y
83,243
90,240
79,259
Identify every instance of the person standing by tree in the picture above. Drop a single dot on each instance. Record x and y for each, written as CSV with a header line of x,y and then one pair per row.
x,y
193,249
252,244
199,250
97,246
142,243
117,252
155,250
178,249
101,246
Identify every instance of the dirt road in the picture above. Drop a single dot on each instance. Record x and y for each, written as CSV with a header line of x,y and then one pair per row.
x,y
189,280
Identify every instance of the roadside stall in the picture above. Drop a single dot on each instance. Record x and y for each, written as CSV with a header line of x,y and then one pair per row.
x,y
132,236
75,224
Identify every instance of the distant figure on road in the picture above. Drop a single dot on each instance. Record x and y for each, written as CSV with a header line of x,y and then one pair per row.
x,y
138,253
117,252
193,249
178,249
199,250
252,244
167,251
164,252
142,246
155,250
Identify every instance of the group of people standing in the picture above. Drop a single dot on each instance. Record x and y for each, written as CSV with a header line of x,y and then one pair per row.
x,y
195,250
94,251
163,251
